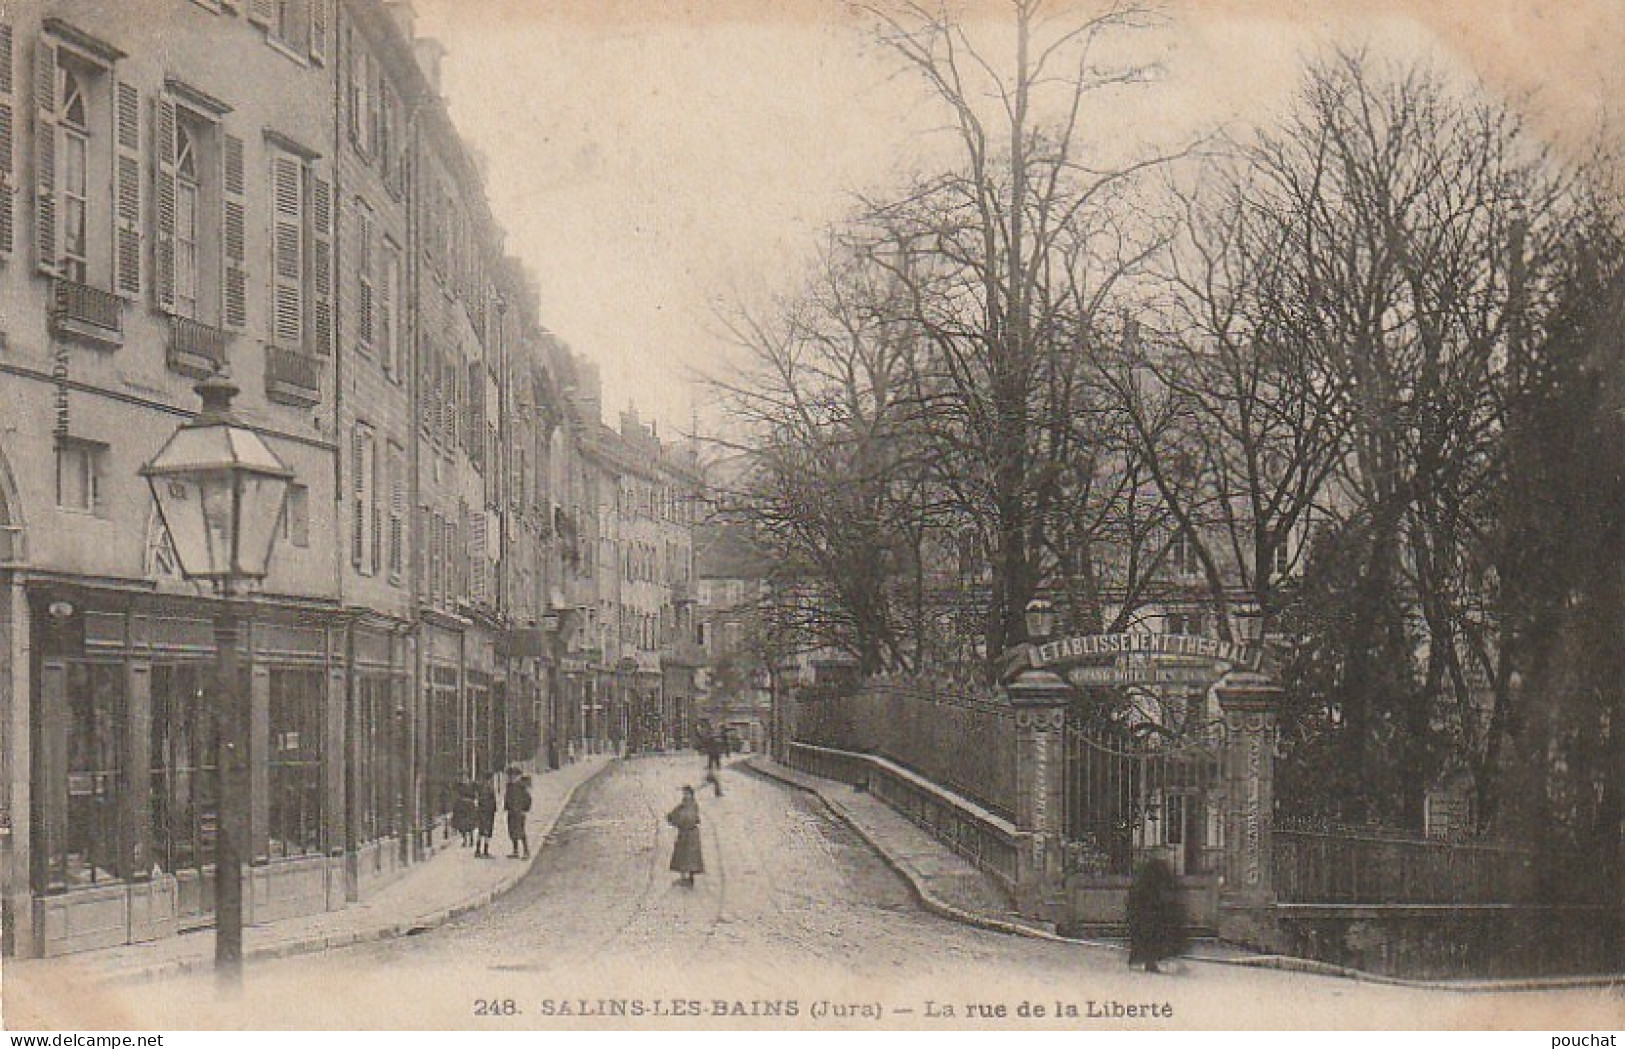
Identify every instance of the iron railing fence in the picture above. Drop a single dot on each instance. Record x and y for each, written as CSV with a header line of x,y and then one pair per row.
x,y
965,743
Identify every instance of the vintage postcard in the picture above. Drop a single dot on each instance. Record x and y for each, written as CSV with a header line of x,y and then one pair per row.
x,y
1098,515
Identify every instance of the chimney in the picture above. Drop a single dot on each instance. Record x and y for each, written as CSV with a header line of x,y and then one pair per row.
x,y
406,19
430,52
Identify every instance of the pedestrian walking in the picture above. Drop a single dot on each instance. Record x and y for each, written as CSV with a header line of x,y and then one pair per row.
x,y
1156,921
516,800
465,812
715,780
487,810
713,752
685,855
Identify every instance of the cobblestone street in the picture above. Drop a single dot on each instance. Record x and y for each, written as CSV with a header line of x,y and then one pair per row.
x,y
795,922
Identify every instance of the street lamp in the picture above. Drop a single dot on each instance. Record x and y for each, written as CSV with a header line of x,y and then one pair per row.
x,y
220,490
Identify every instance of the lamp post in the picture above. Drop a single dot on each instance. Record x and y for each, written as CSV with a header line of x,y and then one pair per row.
x,y
219,490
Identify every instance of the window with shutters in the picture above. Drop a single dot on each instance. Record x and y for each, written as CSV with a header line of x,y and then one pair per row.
x,y
301,256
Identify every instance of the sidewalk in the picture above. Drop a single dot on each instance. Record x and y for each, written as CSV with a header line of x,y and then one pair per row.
x,y
430,893
946,883
952,887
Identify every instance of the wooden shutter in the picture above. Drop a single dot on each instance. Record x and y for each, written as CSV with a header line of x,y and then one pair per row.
x,y
321,277
357,509
127,191
364,236
287,251
319,20
8,135
262,12
234,233
45,102
163,203
397,510
375,505
386,309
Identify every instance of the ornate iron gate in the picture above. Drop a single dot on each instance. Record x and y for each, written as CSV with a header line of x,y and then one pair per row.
x,y
1134,796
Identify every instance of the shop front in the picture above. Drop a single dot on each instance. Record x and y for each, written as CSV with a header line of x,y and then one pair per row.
x,y
124,784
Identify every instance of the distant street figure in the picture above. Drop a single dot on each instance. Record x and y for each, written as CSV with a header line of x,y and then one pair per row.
x,y
1156,920
516,800
715,779
465,812
487,811
713,751
685,855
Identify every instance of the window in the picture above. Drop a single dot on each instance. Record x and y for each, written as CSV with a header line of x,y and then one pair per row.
x,y
188,194
296,516
75,174
1282,560
295,779
1182,559
298,27
1187,623
80,467
200,218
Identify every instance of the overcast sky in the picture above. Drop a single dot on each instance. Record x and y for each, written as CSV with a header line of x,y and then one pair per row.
x,y
650,158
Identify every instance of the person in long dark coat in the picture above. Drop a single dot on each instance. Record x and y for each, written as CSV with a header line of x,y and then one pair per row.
x,y
685,855
516,801
487,810
1156,920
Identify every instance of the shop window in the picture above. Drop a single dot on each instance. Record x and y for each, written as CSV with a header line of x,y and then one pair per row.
x,y
374,770
297,703
88,851
185,783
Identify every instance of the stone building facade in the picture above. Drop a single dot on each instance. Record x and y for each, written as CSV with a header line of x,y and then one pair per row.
x,y
275,189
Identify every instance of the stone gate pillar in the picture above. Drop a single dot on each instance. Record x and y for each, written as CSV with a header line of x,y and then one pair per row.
x,y
1039,698
1250,703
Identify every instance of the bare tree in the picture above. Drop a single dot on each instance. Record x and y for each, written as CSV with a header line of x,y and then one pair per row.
x,y
992,255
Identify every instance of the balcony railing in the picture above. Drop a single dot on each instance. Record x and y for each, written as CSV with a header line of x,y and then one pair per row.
x,y
196,349
81,311
292,377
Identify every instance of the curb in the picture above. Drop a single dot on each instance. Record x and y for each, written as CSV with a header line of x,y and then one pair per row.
x,y
1280,962
393,930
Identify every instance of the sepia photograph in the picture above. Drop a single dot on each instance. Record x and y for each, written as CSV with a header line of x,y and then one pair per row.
x,y
812,515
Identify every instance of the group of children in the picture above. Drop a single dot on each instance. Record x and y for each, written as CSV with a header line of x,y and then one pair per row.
x,y
474,813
